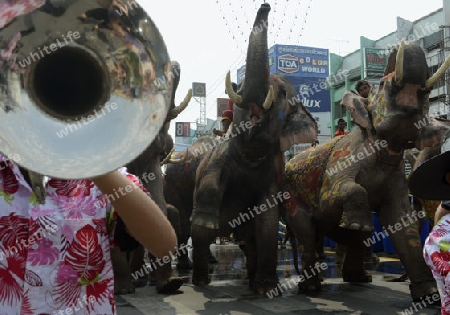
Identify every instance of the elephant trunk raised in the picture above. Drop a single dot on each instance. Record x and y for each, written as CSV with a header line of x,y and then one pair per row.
x,y
257,70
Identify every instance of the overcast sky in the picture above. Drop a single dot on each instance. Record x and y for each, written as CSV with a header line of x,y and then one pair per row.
x,y
209,37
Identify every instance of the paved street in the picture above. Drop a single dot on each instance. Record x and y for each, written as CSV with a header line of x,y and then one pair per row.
x,y
228,293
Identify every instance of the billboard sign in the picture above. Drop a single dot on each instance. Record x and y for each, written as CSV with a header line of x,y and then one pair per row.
x,y
183,129
312,92
240,75
299,60
375,61
222,105
198,89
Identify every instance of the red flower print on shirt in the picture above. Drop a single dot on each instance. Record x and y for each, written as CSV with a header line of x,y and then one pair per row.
x,y
11,9
85,254
13,230
72,188
440,261
8,182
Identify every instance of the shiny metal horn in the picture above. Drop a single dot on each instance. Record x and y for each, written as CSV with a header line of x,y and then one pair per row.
x,y
84,85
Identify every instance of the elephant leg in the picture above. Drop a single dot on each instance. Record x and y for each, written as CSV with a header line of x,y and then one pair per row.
x,y
183,260
266,239
320,238
340,253
248,246
356,214
122,275
136,262
180,223
401,225
205,224
166,282
201,240
305,231
353,266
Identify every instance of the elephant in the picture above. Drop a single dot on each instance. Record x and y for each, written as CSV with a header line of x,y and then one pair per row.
x,y
429,206
336,186
179,184
244,170
147,167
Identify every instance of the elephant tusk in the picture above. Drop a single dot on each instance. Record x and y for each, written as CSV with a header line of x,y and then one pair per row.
x,y
399,63
236,98
438,74
168,160
269,99
177,110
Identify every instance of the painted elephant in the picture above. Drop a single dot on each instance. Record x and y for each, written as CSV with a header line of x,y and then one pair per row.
x,y
238,181
337,185
179,184
147,167
429,206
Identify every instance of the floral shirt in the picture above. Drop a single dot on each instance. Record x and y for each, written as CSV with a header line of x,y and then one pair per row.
x,y
436,252
54,257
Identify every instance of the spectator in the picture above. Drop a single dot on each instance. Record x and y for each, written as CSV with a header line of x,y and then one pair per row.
x,y
431,181
341,128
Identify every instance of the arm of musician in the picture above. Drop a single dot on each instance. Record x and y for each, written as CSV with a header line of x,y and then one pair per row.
x,y
142,216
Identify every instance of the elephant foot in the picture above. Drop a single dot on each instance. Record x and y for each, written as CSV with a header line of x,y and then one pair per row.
x,y
169,286
424,289
264,286
200,282
184,265
310,284
139,283
123,287
361,277
402,278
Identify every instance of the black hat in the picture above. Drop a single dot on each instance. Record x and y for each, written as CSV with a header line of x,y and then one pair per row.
x,y
428,180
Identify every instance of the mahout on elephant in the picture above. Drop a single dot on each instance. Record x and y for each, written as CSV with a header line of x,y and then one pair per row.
x,y
129,266
337,185
238,182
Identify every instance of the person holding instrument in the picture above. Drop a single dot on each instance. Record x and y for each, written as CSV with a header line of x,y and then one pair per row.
x,y
56,256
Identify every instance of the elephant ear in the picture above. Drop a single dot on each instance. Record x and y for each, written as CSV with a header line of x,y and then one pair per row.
x,y
357,106
301,127
432,132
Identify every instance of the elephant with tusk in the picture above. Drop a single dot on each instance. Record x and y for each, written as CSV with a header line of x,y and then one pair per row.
x,y
337,185
147,167
241,177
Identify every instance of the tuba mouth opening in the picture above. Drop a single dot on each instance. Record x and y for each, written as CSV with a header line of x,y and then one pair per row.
x,y
70,83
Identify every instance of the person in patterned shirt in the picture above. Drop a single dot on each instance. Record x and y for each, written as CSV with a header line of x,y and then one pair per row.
x,y
431,181
55,257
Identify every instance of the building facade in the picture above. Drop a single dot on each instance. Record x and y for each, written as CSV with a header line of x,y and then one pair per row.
x,y
368,62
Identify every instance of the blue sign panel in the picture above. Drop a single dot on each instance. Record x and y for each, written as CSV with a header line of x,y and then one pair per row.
x,y
198,89
240,75
314,93
299,60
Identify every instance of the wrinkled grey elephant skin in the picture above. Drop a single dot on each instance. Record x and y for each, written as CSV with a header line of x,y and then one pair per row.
x,y
244,172
336,186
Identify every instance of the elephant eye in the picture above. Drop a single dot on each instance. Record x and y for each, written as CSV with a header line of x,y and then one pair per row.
x,y
282,93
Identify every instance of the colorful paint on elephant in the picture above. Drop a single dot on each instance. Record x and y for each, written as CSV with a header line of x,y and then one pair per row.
x,y
303,184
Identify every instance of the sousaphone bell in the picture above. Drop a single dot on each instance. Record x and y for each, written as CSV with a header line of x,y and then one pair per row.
x,y
84,86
